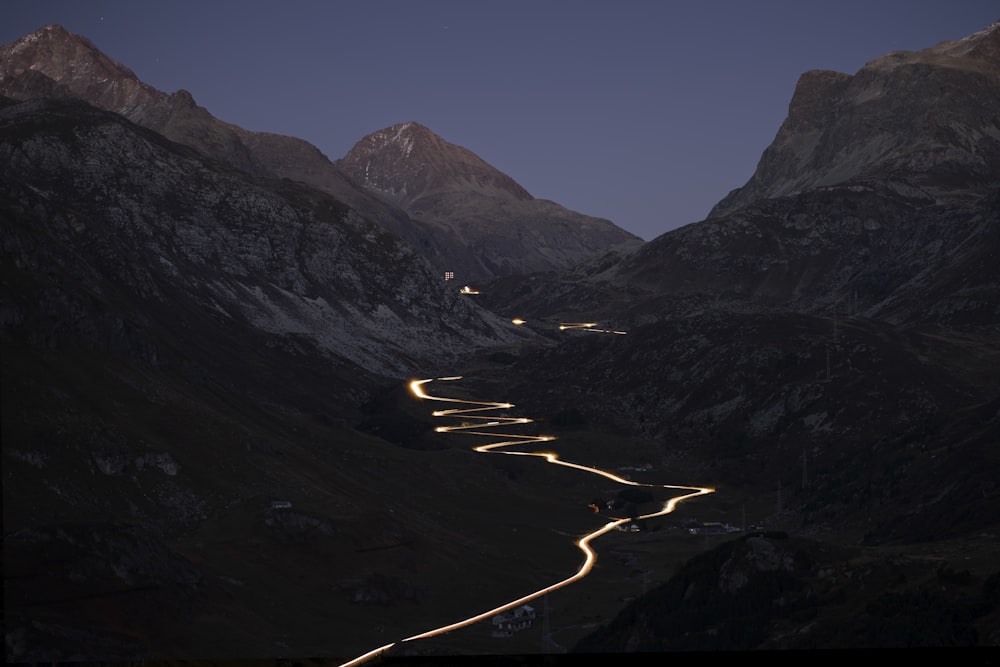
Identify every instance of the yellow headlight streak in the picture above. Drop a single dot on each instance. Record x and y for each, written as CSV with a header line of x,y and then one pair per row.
x,y
590,557
588,326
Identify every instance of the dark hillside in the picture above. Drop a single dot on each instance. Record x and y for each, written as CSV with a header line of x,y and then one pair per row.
x,y
769,591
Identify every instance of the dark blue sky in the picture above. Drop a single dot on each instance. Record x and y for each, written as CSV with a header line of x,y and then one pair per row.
x,y
646,113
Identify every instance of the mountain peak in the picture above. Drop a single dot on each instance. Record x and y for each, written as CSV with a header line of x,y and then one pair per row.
x,y
77,64
401,138
471,217
409,162
49,32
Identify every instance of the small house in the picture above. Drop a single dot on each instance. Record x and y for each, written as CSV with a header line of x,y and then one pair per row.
x,y
506,623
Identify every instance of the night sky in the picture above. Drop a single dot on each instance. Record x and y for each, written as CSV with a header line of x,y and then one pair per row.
x,y
645,113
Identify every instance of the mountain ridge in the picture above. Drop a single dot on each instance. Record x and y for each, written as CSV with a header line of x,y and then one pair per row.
x,y
53,60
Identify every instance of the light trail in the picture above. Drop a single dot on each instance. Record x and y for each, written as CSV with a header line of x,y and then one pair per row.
x,y
590,557
587,326
368,656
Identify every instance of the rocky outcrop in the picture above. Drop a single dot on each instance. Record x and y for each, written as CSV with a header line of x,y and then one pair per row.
x,y
925,121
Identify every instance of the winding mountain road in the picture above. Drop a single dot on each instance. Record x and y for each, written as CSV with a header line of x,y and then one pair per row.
x,y
477,411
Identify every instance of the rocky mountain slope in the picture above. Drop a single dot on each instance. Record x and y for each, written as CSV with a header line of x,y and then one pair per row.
x,y
475,240
890,210
281,258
